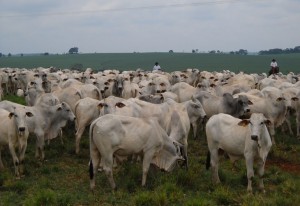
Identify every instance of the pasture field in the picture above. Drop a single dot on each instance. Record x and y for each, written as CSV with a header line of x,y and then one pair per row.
x,y
63,179
168,61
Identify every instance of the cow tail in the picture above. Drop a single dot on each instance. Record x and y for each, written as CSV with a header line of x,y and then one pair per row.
x,y
91,167
208,160
91,170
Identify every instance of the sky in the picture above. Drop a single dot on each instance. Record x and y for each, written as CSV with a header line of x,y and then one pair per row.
x,y
117,26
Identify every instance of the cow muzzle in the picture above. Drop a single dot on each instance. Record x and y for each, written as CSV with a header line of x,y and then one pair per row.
x,y
254,137
21,129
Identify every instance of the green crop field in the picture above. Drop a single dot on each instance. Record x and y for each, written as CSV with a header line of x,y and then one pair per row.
x,y
63,179
168,61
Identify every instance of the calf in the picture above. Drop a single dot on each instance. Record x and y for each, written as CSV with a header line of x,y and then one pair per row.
x,y
14,133
249,138
46,123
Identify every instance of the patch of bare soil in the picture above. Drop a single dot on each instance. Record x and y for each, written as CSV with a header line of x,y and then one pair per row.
x,y
284,165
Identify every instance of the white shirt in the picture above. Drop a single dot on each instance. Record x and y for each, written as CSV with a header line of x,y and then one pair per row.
x,y
156,68
273,64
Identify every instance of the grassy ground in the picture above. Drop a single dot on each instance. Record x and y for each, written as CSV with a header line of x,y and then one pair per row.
x,y
168,61
63,179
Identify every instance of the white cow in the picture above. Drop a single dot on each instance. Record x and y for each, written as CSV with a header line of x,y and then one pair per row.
x,y
272,105
184,91
249,138
14,133
46,122
174,117
120,136
292,97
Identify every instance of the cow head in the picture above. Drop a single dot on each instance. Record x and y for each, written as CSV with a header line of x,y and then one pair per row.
x,y
65,111
19,115
258,132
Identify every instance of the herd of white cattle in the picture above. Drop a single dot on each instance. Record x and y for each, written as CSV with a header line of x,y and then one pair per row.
x,y
148,115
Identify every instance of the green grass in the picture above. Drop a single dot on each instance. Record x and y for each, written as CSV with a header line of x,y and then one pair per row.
x,y
63,179
168,61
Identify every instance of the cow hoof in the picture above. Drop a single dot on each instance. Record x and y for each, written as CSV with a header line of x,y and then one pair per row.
x,y
18,178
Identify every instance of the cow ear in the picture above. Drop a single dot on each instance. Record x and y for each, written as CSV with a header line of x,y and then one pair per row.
x,y
244,122
250,103
120,105
11,114
267,122
100,105
29,114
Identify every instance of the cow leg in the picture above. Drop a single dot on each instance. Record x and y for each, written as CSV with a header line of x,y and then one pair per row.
x,y
78,137
15,159
185,155
195,129
272,133
61,136
261,171
1,163
23,146
250,172
288,122
214,162
94,164
107,167
148,156
298,124
40,144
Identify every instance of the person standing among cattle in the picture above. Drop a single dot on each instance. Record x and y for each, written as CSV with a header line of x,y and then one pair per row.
x,y
156,67
274,67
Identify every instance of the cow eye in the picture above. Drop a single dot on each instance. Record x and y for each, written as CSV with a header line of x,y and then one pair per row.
x,y
262,123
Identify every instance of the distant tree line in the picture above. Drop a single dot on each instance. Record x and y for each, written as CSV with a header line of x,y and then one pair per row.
x,y
73,50
240,52
280,51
